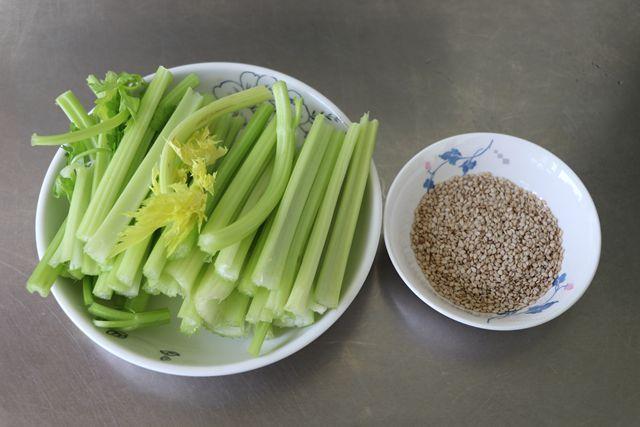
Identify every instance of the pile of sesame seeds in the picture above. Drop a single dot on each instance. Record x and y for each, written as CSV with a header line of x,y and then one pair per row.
x,y
485,244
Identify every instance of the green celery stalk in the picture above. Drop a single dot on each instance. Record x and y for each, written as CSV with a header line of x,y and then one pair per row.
x,y
212,286
101,288
334,264
81,134
230,260
154,266
288,320
237,191
185,271
268,271
278,298
245,283
230,322
101,244
257,304
165,284
43,275
222,127
237,122
299,299
138,320
76,113
87,296
112,180
218,238
191,320
209,311
141,152
132,260
259,334
203,117
138,303
79,202
171,100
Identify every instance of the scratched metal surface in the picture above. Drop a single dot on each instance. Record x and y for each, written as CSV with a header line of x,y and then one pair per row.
x,y
563,74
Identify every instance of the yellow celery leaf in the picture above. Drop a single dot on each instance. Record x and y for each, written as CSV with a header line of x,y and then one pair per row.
x,y
201,145
178,211
200,176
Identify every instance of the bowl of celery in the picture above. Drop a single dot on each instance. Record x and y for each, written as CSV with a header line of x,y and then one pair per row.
x,y
208,219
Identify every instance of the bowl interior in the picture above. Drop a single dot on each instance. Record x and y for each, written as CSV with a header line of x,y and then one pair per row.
x,y
164,348
529,166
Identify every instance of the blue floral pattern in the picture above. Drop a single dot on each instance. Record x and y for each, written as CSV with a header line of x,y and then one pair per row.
x,y
455,158
249,79
558,284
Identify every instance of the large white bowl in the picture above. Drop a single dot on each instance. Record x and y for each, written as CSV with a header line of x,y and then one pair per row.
x,y
164,349
531,167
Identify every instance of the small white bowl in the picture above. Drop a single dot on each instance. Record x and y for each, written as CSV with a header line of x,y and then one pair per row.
x,y
532,168
165,349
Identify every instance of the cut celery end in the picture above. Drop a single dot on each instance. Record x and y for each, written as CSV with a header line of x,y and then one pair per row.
x,y
139,320
165,285
101,244
219,238
154,266
268,271
209,311
113,178
89,266
245,283
101,288
298,301
82,134
130,267
257,304
138,303
334,264
230,321
190,319
317,308
295,321
214,287
169,102
185,271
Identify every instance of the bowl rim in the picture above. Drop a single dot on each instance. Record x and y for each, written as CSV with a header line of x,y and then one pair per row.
x,y
314,331
444,308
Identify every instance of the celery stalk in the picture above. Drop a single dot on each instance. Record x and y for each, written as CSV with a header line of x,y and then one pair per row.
x,y
259,333
334,264
212,286
218,238
299,298
185,271
82,134
165,284
203,117
222,127
209,311
191,320
101,288
108,189
43,276
237,122
101,244
78,205
268,271
171,100
245,283
278,298
132,259
230,322
154,266
257,304
138,303
87,296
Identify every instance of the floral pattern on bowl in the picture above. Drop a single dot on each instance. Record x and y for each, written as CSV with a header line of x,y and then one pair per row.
x,y
529,166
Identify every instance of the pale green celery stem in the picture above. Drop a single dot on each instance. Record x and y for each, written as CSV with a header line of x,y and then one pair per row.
x,y
295,321
222,127
166,285
101,245
100,163
245,283
138,303
79,202
272,261
191,320
231,321
76,263
239,188
257,304
237,122
299,299
169,102
101,288
154,266
113,282
113,178
285,148
141,153
202,118
132,260
89,266
87,296
230,259
278,299
209,311
212,286
81,134
75,112
334,264
259,334
185,271
43,275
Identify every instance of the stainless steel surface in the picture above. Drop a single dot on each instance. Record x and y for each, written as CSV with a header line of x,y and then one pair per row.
x,y
563,74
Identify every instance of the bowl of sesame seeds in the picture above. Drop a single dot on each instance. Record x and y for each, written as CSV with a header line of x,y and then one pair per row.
x,y
492,231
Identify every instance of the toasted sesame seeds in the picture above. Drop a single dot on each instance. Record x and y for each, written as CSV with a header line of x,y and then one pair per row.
x,y
486,244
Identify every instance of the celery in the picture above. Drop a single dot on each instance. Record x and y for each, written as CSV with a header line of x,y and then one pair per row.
x,y
209,311
203,117
165,284
132,260
171,100
222,127
79,203
141,152
191,320
218,238
334,264
213,286
299,298
237,122
87,296
295,321
257,304
156,261
278,298
129,321
81,134
101,244
245,283
43,276
185,271
259,333
268,271
101,288
230,322
108,189
89,266
138,303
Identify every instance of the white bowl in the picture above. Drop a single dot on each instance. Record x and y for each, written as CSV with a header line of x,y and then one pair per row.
x,y
165,349
532,168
